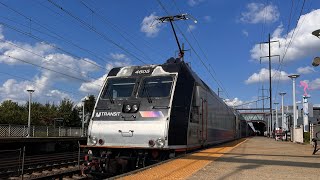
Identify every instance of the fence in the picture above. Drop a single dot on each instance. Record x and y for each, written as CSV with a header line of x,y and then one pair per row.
x,y
40,131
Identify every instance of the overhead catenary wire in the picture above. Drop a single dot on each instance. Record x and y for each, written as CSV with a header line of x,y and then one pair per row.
x,y
103,36
198,44
289,44
42,41
61,38
49,30
33,81
49,69
43,57
194,50
108,23
49,44
251,102
263,27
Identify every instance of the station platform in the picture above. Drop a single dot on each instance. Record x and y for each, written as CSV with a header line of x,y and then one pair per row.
x,y
252,158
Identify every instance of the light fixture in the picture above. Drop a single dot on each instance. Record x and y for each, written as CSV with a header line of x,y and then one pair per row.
x,y
316,61
316,33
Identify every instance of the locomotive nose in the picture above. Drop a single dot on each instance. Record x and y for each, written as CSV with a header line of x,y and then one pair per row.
x,y
130,133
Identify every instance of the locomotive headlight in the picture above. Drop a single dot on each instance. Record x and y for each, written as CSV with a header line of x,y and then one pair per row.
x,y
127,108
134,108
94,140
160,142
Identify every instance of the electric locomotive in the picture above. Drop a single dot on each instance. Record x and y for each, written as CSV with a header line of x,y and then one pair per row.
x,y
146,114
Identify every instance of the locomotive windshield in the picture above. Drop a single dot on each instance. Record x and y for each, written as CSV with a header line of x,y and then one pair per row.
x,y
119,87
156,86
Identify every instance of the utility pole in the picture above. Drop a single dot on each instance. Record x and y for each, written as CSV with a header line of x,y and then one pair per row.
x,y
270,83
263,97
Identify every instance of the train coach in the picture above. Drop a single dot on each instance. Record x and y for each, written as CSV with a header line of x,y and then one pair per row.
x,y
146,114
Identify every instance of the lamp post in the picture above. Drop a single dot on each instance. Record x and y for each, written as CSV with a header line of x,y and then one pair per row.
x,y
276,122
293,77
83,115
29,117
316,61
282,110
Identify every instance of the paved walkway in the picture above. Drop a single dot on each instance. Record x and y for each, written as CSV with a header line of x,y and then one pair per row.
x,y
263,158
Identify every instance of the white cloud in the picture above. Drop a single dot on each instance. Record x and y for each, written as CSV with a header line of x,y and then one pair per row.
x,y
69,67
260,13
245,33
120,60
150,26
233,102
315,84
56,94
263,76
191,27
43,55
13,90
17,91
303,45
94,86
194,2
305,70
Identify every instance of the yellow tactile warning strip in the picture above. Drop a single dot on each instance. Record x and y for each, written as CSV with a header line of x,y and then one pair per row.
x,y
185,166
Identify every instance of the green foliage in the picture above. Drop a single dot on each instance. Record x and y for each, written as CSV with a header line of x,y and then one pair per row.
x,y
11,112
89,104
306,137
44,114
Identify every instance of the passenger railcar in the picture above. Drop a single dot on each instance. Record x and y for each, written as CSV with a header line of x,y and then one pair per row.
x,y
145,114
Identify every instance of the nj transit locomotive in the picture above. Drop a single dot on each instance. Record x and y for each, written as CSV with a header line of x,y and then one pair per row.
x,y
145,114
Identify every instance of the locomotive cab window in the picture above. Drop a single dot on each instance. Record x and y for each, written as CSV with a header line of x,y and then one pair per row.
x,y
119,88
159,86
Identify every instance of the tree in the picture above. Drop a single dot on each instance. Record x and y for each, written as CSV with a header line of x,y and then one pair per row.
x,y
12,113
47,114
69,113
89,104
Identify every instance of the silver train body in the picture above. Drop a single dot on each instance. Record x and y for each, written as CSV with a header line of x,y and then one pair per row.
x,y
146,114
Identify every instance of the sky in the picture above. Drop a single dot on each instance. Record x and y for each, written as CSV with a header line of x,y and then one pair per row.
x,y
64,49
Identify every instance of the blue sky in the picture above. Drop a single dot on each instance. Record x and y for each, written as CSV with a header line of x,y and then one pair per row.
x,y
63,49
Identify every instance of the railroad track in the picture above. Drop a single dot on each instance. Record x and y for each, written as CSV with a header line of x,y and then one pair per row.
x,y
53,165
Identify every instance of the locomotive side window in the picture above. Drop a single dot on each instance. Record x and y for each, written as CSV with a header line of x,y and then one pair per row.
x,y
119,87
156,86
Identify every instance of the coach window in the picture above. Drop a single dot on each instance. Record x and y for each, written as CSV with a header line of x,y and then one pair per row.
x,y
159,86
119,88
